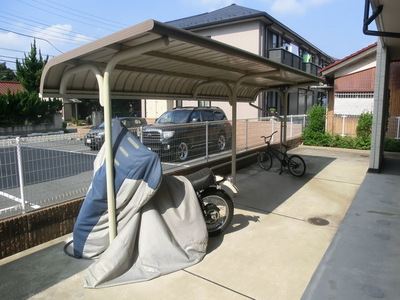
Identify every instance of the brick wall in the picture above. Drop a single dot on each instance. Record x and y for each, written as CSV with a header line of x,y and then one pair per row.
x,y
34,228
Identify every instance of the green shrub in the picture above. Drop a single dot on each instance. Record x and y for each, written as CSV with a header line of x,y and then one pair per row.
x,y
392,145
364,127
314,132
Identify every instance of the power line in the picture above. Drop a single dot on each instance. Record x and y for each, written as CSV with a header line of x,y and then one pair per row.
x,y
7,49
47,26
52,33
27,35
13,50
85,14
57,14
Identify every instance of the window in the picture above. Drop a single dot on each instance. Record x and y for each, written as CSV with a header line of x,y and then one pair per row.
x,y
274,41
207,115
204,103
196,116
218,116
361,95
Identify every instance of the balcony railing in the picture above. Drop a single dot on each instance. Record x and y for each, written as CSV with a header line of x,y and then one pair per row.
x,y
285,57
288,58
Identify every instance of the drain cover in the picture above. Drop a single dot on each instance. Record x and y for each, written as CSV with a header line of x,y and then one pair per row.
x,y
318,221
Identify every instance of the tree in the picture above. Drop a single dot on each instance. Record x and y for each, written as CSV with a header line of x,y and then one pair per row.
x,y
314,132
25,107
6,73
29,71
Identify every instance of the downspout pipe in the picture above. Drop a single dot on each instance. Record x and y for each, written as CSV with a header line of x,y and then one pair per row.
x,y
106,102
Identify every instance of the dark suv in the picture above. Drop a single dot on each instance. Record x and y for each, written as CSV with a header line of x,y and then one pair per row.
x,y
185,131
95,137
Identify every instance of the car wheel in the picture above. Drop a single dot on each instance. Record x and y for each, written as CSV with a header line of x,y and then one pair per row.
x,y
182,151
221,142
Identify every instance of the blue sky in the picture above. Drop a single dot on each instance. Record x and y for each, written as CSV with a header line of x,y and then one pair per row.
x,y
334,26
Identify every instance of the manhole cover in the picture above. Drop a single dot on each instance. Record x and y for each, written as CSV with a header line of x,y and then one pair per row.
x,y
318,221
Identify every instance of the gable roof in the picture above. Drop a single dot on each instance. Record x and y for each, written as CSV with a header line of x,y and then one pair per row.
x,y
232,12
236,13
349,58
12,86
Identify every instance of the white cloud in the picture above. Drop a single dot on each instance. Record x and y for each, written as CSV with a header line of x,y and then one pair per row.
x,y
295,6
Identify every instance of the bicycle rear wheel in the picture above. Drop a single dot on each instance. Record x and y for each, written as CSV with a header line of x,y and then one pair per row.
x,y
264,160
296,165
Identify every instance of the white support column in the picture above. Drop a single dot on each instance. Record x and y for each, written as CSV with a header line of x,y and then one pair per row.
x,y
234,143
380,106
106,102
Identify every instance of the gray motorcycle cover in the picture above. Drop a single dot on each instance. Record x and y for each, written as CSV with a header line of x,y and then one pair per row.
x,y
160,225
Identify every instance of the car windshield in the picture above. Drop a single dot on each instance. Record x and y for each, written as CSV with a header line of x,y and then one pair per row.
x,y
174,117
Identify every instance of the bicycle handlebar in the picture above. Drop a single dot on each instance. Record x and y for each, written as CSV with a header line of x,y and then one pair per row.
x,y
270,136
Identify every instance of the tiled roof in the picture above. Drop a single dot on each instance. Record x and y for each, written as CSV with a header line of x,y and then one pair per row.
x,y
13,86
348,57
231,12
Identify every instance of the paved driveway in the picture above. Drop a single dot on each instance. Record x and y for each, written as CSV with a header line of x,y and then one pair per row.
x,y
270,252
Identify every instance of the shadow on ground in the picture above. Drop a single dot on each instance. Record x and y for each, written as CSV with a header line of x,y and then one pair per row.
x,y
50,267
277,188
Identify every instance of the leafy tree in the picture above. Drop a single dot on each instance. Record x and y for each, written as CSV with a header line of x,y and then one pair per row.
x,y
6,73
30,69
26,107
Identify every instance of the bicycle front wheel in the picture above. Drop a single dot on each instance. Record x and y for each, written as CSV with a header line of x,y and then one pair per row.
x,y
296,165
264,160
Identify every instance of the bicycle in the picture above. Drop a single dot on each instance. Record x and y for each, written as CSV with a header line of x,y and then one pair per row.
x,y
295,164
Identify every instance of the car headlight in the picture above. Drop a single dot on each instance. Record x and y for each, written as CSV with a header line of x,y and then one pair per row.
x,y
167,134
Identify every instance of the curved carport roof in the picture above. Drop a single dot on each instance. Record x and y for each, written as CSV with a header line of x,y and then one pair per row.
x,y
153,60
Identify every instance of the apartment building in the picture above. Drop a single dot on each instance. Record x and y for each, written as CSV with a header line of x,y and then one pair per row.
x,y
257,32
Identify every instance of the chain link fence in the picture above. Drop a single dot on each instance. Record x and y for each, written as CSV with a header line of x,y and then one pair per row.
x,y
40,171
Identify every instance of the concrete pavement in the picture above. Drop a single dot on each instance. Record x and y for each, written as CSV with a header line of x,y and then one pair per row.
x,y
271,251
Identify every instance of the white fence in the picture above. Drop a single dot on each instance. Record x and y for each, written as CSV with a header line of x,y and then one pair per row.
x,y
346,125
44,170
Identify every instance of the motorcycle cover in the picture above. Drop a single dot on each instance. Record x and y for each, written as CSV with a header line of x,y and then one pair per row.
x,y
160,226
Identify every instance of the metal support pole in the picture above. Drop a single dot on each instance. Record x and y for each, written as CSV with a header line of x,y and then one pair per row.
x,y
207,140
20,174
234,124
291,126
343,124
106,102
285,112
246,145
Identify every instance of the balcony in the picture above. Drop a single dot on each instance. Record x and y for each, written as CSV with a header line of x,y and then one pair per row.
x,y
310,68
285,57
292,60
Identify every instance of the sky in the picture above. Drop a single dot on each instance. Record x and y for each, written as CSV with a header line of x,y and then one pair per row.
x,y
333,26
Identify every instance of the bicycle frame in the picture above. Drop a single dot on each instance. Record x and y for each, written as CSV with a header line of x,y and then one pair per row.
x,y
294,163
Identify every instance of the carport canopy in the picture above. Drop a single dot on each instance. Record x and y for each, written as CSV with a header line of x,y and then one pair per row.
x,y
153,60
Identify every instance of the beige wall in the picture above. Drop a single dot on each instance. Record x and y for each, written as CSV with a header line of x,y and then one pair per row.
x,y
152,108
245,36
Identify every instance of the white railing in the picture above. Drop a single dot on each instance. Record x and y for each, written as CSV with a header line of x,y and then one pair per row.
x,y
345,125
41,171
